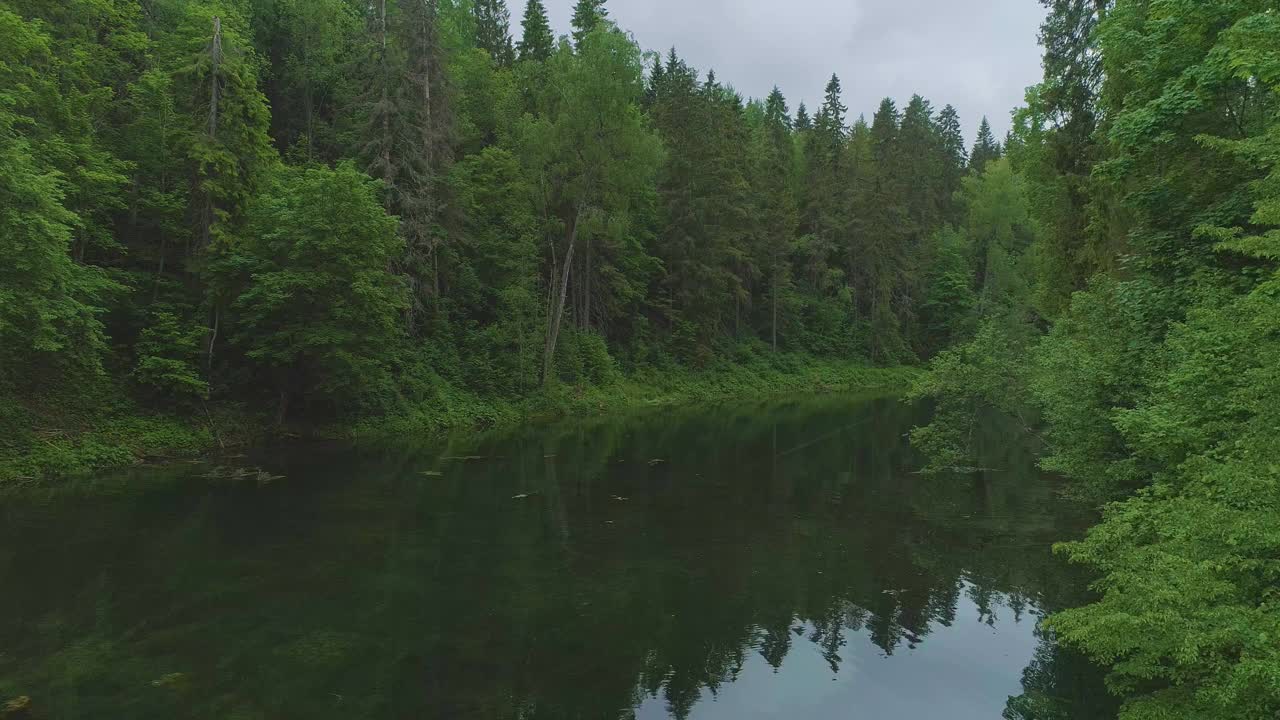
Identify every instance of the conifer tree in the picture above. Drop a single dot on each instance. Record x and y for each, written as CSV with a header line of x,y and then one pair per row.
x,y
887,227
493,30
537,41
955,159
985,148
830,127
587,16
804,123
778,212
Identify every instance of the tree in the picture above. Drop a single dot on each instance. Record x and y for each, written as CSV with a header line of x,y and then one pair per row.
x,y
537,42
314,306
594,160
49,305
885,247
955,160
985,148
587,16
493,30
803,122
778,212
496,289
313,44
407,138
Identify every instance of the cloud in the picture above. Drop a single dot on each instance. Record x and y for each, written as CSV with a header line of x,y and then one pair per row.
x,y
979,57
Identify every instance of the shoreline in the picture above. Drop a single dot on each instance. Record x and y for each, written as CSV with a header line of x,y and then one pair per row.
x,y
131,436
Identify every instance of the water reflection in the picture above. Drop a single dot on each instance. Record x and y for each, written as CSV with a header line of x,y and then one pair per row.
x,y
744,561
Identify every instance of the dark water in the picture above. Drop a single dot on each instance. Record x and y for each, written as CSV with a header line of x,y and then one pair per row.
x,y
734,562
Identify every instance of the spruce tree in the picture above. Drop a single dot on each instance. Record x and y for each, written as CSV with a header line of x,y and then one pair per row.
x,y
537,42
778,211
804,123
830,125
985,149
493,30
587,16
955,159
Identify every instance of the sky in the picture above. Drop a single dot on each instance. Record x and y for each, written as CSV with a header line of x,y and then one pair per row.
x,y
978,56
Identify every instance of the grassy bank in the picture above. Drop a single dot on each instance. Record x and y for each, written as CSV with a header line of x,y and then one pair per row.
x,y
67,436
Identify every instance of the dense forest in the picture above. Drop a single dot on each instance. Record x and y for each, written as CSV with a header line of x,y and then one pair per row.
x,y
337,208
345,208
1141,325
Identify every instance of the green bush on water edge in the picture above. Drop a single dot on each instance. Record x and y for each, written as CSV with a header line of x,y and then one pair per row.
x,y
100,428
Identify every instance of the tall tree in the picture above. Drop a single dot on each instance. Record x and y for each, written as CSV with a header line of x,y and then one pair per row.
x,y
49,304
587,16
955,160
407,138
594,160
778,211
537,41
493,30
314,305
229,150
985,148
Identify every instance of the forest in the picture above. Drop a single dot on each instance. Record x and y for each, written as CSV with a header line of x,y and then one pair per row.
x,y
335,209
341,210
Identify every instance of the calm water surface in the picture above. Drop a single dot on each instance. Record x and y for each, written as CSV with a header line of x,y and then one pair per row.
x,y
740,561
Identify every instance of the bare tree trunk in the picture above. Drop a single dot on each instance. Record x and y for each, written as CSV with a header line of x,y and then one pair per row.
x,y
213,338
557,312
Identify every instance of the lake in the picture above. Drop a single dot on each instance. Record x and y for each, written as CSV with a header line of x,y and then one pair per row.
x,y
747,560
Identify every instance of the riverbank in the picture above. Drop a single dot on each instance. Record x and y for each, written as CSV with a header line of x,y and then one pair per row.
x,y
50,438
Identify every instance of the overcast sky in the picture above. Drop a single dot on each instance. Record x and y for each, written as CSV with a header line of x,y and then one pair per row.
x,y
978,56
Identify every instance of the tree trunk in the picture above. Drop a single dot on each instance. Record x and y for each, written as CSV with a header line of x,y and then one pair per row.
x,y
213,338
557,311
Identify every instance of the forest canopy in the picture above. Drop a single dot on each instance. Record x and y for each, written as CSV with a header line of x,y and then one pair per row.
x,y
341,205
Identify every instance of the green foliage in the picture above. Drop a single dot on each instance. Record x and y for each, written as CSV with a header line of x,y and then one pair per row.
x,y
169,357
537,43
314,307
49,304
183,211
1157,381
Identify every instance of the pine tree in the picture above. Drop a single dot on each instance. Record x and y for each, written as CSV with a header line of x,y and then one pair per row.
x,y
887,230
922,167
985,149
778,211
406,138
587,16
804,123
955,159
493,30
825,213
830,127
537,42
425,145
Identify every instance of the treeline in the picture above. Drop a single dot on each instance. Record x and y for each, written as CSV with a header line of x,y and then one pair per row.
x,y
1143,325
344,203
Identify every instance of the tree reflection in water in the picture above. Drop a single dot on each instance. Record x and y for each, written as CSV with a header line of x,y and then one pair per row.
x,y
588,569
